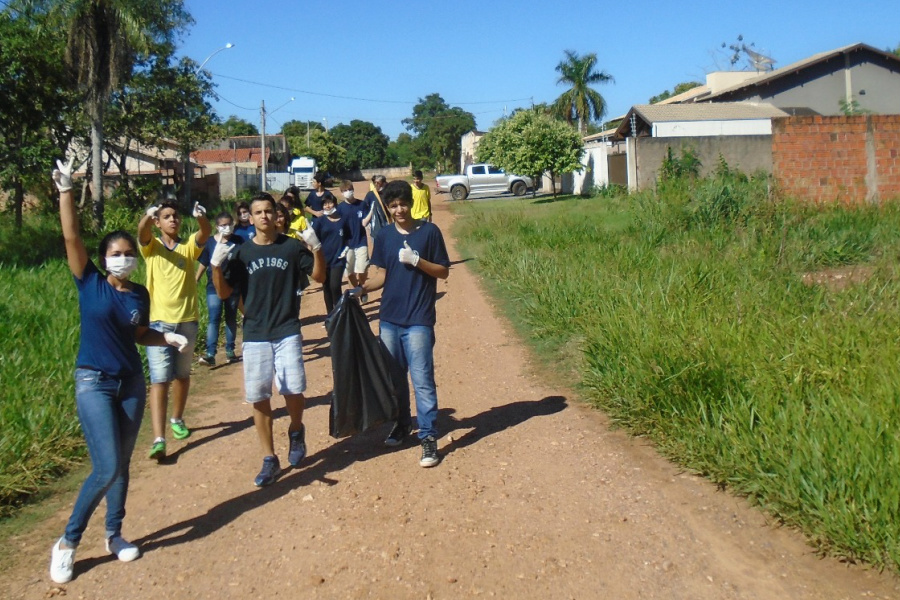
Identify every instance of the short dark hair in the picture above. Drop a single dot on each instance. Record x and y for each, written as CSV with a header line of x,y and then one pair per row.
x,y
168,204
224,215
263,197
397,190
109,238
240,205
418,174
320,177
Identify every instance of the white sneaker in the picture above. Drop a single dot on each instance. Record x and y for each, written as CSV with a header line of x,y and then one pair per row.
x,y
124,550
62,563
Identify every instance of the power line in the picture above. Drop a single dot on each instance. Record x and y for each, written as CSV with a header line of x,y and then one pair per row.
x,y
299,91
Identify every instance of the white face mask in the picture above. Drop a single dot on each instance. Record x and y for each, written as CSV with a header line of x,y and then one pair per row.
x,y
121,266
348,195
330,211
225,229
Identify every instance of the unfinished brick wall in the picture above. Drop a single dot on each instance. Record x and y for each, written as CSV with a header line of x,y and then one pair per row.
x,y
844,159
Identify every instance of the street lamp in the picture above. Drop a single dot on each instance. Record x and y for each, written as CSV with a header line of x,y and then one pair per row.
x,y
206,60
325,120
262,132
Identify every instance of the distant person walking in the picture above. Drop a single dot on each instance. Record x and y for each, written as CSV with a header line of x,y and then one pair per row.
x,y
110,393
215,306
354,212
173,308
409,257
315,199
269,273
377,216
332,231
421,209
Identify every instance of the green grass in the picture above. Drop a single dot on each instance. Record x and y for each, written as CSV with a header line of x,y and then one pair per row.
x,y
40,438
694,328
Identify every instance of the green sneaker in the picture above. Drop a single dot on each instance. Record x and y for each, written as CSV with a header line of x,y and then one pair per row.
x,y
230,356
158,450
180,430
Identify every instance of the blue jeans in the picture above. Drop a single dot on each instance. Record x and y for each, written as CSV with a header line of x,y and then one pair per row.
x,y
216,305
110,411
412,349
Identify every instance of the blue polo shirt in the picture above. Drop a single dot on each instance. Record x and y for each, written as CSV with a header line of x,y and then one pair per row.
x,y
354,213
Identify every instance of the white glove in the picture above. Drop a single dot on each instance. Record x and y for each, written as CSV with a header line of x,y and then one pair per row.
x,y
177,340
62,175
408,255
220,254
199,210
344,252
151,212
312,240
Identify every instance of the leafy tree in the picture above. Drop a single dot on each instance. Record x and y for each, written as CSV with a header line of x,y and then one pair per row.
x,y
36,104
531,143
329,156
104,37
295,133
895,50
679,89
162,101
581,102
235,126
365,143
438,128
404,151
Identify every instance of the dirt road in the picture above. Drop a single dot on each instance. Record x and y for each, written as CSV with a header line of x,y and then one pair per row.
x,y
535,498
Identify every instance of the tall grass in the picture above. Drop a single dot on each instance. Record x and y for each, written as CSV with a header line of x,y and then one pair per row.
x,y
40,437
694,328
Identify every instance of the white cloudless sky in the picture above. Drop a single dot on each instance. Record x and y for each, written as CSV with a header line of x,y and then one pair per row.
x,y
373,60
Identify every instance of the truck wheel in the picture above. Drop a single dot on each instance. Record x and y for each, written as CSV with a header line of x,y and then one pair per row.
x,y
458,192
519,188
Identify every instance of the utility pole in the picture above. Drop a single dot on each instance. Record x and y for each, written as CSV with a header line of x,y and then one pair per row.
x,y
262,143
307,135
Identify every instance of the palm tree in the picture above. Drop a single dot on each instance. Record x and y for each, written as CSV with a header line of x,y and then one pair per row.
x,y
580,102
104,39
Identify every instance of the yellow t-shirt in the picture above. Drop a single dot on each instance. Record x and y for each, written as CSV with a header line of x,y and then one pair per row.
x,y
421,208
299,223
171,281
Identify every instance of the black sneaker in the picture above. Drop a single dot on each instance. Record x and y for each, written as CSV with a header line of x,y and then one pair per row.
x,y
397,435
208,360
430,456
297,446
271,469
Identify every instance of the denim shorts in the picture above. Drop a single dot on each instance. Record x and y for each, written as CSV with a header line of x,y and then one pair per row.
x,y
166,362
280,361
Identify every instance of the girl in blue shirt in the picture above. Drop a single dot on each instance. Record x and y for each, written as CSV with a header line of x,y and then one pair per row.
x,y
109,381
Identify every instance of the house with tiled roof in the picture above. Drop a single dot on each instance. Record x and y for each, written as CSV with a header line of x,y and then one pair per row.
x,y
732,115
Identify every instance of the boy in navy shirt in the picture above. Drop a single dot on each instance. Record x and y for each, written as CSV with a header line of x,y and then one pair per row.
x,y
409,257
354,212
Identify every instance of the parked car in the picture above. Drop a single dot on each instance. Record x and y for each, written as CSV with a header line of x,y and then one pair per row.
x,y
482,178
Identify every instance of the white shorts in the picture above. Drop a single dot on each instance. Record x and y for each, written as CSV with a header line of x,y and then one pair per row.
x,y
358,260
280,361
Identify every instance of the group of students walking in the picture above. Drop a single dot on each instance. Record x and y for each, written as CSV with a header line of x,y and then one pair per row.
x,y
262,267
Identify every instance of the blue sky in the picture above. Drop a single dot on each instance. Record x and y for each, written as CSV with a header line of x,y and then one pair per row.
x,y
356,59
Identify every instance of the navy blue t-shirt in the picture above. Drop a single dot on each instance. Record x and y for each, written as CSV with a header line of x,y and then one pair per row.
x,y
245,232
315,201
409,293
354,213
208,248
333,235
108,321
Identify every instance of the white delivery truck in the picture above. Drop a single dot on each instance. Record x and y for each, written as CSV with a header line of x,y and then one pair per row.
x,y
302,170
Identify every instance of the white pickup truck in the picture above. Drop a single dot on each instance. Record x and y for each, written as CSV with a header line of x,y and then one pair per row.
x,y
481,178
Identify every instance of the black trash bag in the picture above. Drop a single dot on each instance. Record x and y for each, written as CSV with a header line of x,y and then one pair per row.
x,y
363,395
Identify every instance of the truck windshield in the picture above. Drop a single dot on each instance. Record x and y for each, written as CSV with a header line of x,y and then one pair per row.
x,y
303,169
